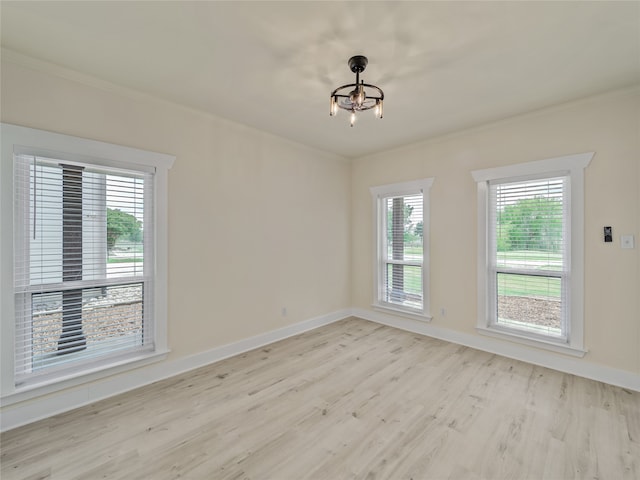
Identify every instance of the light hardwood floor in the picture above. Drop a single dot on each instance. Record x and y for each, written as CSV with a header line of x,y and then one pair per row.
x,y
350,400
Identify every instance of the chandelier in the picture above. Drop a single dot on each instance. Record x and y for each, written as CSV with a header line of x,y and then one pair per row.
x,y
353,97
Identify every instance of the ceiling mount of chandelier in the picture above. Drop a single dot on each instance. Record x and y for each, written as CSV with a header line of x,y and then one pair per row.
x,y
353,97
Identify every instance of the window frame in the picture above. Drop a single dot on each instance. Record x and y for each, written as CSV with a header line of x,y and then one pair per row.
x,y
572,168
379,194
17,140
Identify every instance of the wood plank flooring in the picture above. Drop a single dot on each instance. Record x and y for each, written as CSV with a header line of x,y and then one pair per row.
x,y
352,400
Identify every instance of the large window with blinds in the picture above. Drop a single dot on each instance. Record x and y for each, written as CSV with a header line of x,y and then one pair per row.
x,y
84,262
530,251
83,276
401,270
528,226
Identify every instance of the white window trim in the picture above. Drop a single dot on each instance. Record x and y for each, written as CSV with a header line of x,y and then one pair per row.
x,y
573,166
400,189
20,140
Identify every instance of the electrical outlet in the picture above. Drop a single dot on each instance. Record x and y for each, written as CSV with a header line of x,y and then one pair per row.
x,y
627,241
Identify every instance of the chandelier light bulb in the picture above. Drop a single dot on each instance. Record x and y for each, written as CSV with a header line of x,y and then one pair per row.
x,y
378,110
353,118
353,97
360,97
333,108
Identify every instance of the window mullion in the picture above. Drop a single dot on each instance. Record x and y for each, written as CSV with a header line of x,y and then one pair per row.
x,y
530,272
82,284
410,263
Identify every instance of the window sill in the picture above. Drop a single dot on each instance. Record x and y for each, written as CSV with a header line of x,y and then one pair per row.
x,y
421,317
532,342
46,386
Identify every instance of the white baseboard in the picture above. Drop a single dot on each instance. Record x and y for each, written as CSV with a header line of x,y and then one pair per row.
x,y
28,411
575,366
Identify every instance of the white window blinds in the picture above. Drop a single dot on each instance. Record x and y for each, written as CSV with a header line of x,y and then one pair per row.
x,y
83,265
403,251
529,241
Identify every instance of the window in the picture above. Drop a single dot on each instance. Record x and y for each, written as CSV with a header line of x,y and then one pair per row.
x,y
530,252
401,265
85,250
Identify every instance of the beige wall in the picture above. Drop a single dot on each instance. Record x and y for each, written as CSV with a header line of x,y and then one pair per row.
x,y
256,223
608,125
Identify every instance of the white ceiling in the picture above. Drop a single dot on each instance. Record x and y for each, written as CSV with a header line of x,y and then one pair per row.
x,y
443,66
